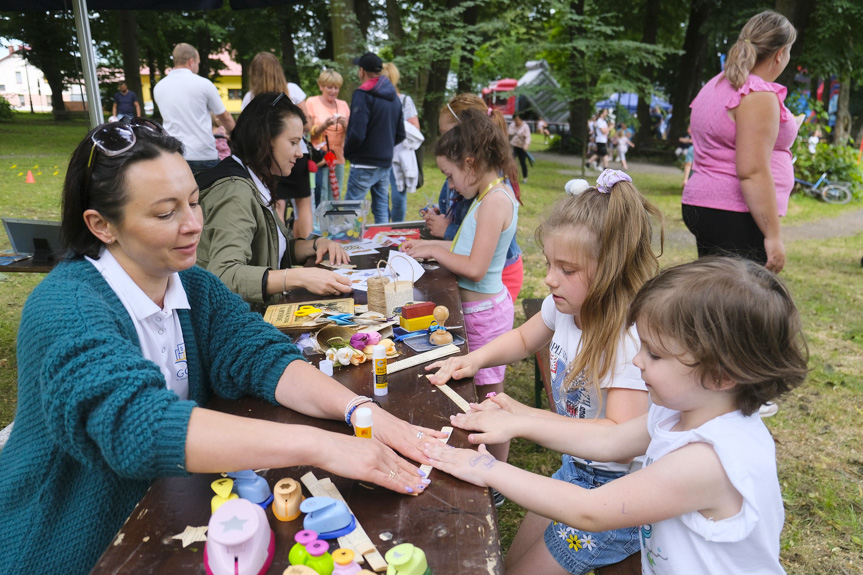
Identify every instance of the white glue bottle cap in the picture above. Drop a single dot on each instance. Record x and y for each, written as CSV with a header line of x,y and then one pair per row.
x,y
379,352
364,417
326,367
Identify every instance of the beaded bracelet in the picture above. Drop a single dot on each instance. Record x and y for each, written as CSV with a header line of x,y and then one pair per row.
x,y
354,404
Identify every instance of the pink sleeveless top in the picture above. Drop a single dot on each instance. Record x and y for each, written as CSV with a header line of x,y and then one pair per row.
x,y
714,183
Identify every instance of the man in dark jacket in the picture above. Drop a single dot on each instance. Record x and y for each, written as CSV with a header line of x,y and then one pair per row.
x,y
375,126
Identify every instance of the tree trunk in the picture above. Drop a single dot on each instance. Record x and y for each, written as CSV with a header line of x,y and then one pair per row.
x,y
286,38
364,19
648,36
345,33
468,49
579,106
799,13
842,130
689,72
129,51
55,80
433,87
394,25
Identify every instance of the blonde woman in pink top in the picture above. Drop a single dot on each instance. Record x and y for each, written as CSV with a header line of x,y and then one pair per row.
x,y
742,134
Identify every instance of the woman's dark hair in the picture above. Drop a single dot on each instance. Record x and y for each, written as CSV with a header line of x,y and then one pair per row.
x,y
262,120
476,136
102,187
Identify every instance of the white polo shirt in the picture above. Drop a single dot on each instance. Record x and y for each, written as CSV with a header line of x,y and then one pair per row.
x,y
159,330
185,101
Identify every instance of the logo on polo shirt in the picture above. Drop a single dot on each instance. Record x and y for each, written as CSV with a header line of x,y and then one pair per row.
x,y
181,368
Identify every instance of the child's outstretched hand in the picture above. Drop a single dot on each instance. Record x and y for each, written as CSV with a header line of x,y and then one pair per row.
x,y
418,248
495,425
501,401
471,466
453,368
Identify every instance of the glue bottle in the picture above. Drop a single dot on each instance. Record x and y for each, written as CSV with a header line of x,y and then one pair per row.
x,y
363,426
379,360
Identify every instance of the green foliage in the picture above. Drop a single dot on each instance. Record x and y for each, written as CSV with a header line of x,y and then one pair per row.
x,y
839,161
6,112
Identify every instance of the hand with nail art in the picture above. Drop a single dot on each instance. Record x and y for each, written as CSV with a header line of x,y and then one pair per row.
x,y
472,466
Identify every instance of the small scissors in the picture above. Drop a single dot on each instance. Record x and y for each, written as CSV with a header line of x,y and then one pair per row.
x,y
306,310
430,205
341,318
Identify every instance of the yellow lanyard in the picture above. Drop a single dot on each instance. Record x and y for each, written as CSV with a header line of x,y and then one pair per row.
x,y
470,210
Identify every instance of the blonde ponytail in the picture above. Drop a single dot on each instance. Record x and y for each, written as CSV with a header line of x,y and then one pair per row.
x,y
764,35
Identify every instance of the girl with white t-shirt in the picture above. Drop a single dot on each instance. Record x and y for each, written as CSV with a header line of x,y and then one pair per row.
x,y
597,245
719,337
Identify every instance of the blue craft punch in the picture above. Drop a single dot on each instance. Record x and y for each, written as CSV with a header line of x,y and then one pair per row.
x,y
251,486
328,517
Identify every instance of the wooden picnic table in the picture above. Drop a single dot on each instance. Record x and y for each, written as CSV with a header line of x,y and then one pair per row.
x,y
453,522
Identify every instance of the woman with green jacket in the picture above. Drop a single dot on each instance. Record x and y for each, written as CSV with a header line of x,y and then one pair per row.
x,y
243,242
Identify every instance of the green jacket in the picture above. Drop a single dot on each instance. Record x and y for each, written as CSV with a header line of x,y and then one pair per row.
x,y
239,242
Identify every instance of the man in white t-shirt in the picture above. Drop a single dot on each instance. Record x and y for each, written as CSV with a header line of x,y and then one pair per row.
x,y
186,101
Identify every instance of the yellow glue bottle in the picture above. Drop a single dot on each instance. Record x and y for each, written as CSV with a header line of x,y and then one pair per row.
x,y
363,426
379,360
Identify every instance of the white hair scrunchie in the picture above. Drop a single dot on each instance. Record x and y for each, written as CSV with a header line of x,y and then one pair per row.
x,y
608,178
576,187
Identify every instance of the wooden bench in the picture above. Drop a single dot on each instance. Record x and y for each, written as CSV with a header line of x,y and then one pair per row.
x,y
542,380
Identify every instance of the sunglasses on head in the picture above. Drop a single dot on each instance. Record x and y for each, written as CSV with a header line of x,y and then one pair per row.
x,y
118,137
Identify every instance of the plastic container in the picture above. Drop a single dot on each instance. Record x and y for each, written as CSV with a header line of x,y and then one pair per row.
x,y
342,220
344,563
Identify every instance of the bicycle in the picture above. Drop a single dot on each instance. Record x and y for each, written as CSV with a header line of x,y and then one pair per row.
x,y
830,192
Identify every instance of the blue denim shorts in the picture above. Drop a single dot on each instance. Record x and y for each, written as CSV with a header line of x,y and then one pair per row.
x,y
580,551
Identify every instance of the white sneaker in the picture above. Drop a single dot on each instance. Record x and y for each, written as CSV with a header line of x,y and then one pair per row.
x,y
768,409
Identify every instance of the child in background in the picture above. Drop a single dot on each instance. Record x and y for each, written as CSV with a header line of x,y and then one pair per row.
x,y
471,155
813,141
222,146
445,221
719,337
623,145
597,247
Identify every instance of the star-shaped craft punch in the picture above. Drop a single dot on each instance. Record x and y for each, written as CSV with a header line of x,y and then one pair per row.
x,y
191,534
233,524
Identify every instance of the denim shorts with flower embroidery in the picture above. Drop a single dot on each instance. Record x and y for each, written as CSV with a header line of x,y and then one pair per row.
x,y
580,551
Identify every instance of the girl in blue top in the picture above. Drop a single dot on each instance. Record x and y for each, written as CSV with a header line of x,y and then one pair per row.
x,y
471,156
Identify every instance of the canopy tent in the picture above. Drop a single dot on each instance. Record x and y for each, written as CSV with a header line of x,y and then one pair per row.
x,y
628,100
85,40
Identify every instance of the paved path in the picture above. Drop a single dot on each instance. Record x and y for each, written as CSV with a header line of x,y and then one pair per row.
x,y
845,224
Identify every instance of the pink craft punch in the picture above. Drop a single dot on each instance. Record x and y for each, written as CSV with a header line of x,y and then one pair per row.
x,y
239,540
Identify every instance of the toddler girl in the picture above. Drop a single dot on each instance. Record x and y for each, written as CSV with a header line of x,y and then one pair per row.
x,y
719,337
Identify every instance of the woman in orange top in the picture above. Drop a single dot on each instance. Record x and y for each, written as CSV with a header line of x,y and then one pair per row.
x,y
329,118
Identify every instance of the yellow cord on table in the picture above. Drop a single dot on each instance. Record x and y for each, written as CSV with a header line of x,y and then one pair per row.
x,y
476,200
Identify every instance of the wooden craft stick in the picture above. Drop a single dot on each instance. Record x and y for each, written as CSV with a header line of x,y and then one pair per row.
x,y
424,357
318,490
358,539
461,402
446,429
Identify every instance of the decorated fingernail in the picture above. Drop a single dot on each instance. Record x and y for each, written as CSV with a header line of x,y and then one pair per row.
x,y
421,487
426,481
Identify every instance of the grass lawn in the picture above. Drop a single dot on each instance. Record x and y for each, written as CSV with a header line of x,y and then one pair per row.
x,y
817,430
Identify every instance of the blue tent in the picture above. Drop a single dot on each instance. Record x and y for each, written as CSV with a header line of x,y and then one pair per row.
x,y
629,101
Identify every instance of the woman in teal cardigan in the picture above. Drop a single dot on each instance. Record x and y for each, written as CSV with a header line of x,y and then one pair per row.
x,y
108,401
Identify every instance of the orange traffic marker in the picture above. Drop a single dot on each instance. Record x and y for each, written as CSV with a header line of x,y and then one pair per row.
x,y
30,179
